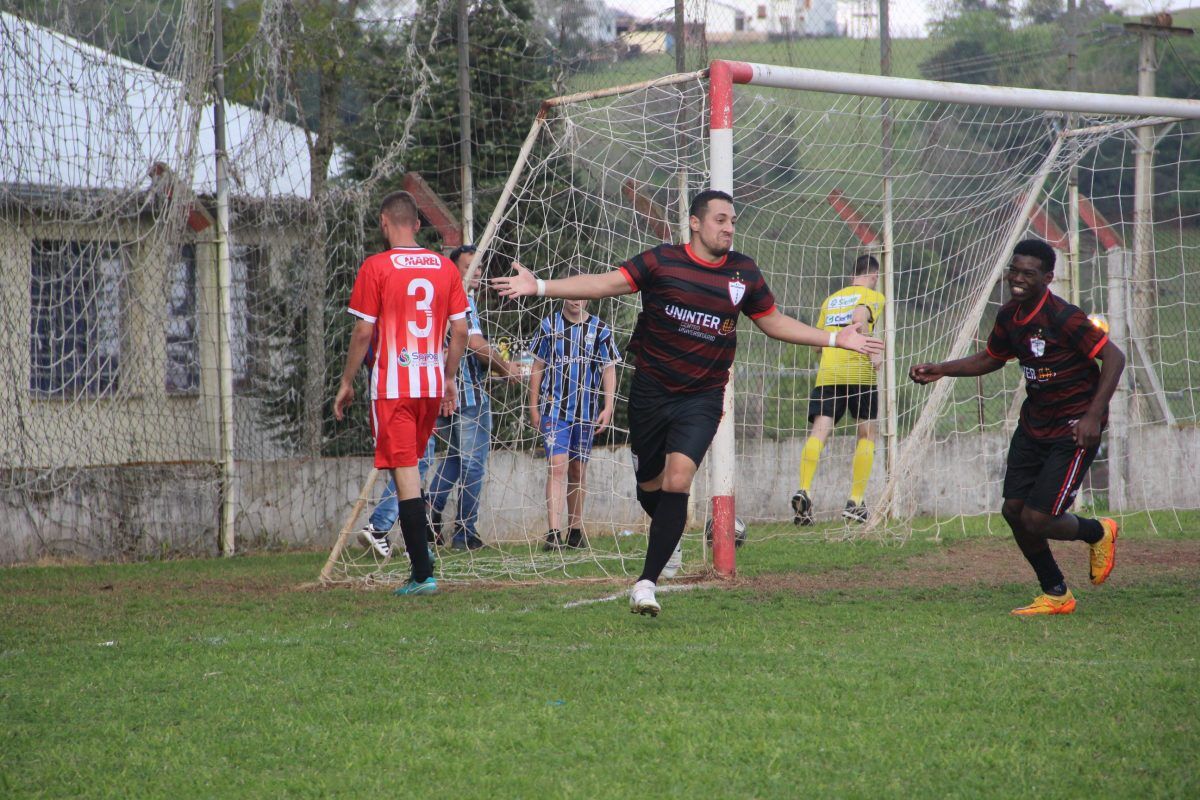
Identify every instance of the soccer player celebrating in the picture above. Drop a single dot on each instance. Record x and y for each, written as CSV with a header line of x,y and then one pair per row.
x,y
845,380
409,294
683,346
1064,413
574,364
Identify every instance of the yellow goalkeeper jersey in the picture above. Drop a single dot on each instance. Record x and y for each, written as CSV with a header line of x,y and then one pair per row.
x,y
838,366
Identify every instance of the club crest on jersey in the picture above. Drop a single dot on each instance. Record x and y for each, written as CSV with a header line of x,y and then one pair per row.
x,y
737,290
1038,346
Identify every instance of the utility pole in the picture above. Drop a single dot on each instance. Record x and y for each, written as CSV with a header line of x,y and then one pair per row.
x,y
680,37
891,424
464,125
227,540
1071,275
1141,329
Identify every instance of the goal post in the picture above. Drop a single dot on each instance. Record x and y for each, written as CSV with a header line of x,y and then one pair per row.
x,y
938,180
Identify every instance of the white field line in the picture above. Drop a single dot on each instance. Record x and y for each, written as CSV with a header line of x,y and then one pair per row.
x,y
682,587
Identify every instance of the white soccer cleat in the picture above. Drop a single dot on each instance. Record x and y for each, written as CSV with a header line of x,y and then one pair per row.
x,y
376,540
641,599
675,563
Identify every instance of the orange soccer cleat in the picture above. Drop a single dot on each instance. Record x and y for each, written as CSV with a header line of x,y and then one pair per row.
x,y
1047,604
1103,553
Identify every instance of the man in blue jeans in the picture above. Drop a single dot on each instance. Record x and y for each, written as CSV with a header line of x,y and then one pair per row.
x,y
468,434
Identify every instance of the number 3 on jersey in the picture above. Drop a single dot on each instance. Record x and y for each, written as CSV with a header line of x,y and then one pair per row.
x,y
424,305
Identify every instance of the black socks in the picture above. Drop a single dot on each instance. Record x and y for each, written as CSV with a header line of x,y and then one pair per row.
x,y
1090,530
649,500
666,528
414,524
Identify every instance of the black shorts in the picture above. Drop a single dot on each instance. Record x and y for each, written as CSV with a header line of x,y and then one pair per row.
x,y
661,422
1045,473
832,401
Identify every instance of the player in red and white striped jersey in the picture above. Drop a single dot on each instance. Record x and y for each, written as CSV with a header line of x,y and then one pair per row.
x,y
404,298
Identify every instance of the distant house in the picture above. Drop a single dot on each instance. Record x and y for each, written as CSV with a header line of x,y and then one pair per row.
x,y
107,280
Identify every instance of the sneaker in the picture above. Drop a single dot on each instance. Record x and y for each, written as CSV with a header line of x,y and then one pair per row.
x,y
675,563
377,540
855,512
576,539
802,508
553,540
427,586
1047,604
466,541
1104,552
641,599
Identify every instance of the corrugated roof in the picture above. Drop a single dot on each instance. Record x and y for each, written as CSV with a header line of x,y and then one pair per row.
x,y
74,116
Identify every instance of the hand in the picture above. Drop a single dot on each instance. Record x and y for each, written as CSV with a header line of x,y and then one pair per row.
x,y
876,360
449,400
851,338
924,373
1087,430
522,284
535,419
603,419
345,397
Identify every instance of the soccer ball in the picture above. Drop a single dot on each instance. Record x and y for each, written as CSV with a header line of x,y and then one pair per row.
x,y
1099,321
739,531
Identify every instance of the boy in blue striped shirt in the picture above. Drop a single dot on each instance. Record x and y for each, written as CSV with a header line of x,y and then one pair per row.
x,y
574,369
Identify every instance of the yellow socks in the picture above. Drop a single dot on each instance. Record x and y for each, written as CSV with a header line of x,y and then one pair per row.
x,y
864,457
809,458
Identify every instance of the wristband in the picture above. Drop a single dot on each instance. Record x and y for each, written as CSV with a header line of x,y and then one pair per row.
x,y
541,288
833,338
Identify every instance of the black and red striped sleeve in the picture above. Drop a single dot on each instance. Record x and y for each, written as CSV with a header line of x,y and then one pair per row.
x,y
999,344
1083,335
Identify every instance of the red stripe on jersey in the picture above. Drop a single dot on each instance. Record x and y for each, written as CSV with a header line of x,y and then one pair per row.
x,y
720,262
1099,346
762,314
628,278
1017,319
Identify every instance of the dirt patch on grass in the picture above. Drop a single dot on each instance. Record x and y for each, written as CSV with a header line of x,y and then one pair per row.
x,y
993,562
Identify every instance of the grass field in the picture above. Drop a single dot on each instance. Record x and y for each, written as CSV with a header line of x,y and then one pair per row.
x,y
825,669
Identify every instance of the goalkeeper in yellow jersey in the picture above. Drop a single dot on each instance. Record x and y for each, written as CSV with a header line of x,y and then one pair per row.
x,y
845,381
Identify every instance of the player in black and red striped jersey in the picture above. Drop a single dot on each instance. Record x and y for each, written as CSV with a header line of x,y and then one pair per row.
x,y
1065,410
682,348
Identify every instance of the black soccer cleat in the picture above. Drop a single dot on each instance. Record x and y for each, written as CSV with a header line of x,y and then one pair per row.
x,y
553,540
855,512
802,508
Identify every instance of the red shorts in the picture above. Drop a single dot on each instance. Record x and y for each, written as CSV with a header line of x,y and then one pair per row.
x,y
402,428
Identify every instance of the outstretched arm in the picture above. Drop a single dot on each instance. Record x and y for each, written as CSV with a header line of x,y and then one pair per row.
x,y
782,327
978,364
577,287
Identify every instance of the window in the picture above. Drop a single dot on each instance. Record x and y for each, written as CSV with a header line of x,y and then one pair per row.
x,y
75,318
246,300
762,12
183,344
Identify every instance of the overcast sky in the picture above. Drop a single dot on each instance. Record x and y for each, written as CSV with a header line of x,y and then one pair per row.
x,y
908,17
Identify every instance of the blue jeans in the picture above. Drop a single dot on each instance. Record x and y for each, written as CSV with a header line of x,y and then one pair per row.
x,y
470,433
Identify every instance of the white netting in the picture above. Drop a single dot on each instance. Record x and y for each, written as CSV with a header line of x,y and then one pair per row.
x,y
603,182
113,442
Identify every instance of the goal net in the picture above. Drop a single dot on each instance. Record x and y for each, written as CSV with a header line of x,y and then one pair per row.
x,y
938,182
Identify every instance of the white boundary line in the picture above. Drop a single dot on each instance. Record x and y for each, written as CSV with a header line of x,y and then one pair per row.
x,y
681,587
